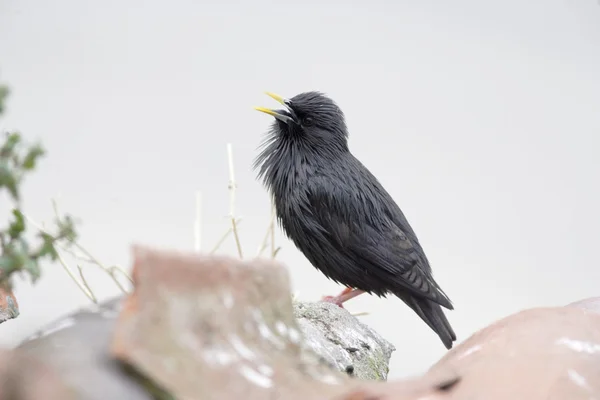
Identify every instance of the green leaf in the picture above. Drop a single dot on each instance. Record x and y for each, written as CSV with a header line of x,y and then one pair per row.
x,y
15,255
8,179
32,266
32,155
9,146
7,265
47,248
17,227
66,228
4,92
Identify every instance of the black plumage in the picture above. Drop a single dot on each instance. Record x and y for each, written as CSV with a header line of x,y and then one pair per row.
x,y
339,215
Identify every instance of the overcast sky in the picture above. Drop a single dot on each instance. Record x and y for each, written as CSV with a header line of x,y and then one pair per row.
x,y
482,119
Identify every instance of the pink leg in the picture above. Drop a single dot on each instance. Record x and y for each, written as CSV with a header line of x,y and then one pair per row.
x,y
340,299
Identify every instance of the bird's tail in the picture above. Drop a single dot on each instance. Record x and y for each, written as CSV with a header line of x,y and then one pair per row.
x,y
433,315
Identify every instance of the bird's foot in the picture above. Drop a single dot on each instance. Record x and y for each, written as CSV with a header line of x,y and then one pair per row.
x,y
333,299
340,299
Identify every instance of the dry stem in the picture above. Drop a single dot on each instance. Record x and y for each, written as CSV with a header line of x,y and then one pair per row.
x,y
270,234
87,257
225,236
93,260
82,255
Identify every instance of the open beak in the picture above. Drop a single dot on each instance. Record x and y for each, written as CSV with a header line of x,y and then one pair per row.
x,y
288,115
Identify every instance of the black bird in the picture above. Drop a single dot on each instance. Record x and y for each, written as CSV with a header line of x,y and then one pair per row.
x,y
339,215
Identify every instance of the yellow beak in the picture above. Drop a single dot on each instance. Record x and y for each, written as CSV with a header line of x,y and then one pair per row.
x,y
282,117
267,111
276,97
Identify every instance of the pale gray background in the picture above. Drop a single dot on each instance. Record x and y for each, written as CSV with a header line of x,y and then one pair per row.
x,y
482,119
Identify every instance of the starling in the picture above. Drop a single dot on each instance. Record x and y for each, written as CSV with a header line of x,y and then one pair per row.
x,y
339,215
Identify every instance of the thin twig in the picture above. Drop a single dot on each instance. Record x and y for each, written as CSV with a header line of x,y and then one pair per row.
x,y
224,237
85,283
74,254
82,286
112,271
276,251
268,233
232,187
263,244
104,267
198,223
360,314
265,240
93,259
87,257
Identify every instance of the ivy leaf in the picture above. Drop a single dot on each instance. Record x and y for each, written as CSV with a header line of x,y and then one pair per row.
x,y
12,140
47,247
16,253
3,95
66,228
14,256
8,179
7,265
32,266
17,227
32,155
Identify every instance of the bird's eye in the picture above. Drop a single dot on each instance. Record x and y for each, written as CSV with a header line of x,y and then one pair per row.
x,y
307,121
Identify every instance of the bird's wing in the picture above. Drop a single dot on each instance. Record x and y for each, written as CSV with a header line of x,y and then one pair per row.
x,y
374,240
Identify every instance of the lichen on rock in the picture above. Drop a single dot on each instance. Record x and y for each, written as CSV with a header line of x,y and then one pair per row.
x,y
343,341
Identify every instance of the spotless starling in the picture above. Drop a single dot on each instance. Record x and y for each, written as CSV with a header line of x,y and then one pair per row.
x,y
339,215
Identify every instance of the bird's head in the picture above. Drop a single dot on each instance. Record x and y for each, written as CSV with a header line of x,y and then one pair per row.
x,y
309,116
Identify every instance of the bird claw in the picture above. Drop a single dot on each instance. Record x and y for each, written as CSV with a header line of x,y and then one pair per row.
x,y
333,299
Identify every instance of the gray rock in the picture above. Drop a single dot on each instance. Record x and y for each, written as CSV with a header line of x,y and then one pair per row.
x,y
76,347
214,328
9,307
343,341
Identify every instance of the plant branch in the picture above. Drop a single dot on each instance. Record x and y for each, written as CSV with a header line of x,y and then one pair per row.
x,y
83,285
225,236
269,234
93,259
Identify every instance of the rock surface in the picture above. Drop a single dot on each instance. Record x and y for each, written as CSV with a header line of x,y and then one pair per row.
x,y
9,308
228,321
216,328
25,378
535,354
77,347
343,341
